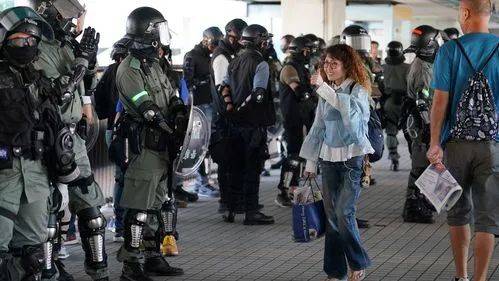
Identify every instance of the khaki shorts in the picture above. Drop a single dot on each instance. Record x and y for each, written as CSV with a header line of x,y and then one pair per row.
x,y
475,166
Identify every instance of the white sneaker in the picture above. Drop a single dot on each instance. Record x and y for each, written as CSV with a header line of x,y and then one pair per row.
x,y
63,253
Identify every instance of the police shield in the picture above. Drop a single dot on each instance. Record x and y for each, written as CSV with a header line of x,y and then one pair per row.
x,y
195,144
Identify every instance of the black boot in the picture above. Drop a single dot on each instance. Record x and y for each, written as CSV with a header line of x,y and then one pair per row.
x,y
133,271
257,218
362,223
395,165
63,274
183,195
416,210
283,200
158,266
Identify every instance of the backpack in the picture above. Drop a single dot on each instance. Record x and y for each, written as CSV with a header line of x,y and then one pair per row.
x,y
476,118
375,133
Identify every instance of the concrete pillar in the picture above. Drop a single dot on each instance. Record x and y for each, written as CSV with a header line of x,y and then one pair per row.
x,y
324,18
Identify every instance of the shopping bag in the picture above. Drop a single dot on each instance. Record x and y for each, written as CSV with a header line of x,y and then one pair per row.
x,y
309,218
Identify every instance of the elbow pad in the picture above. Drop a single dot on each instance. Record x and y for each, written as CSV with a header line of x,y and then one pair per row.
x,y
259,95
302,93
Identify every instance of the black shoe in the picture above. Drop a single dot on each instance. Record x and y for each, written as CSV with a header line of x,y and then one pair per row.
x,y
63,274
417,211
158,266
133,271
277,165
362,223
372,181
257,218
265,173
283,200
183,195
229,217
395,165
222,208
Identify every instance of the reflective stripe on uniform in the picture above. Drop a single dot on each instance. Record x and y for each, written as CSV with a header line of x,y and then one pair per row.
x,y
138,96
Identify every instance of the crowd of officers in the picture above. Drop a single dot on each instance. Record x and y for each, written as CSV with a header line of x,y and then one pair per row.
x,y
47,78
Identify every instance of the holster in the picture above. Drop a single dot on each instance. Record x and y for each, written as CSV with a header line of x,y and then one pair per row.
x,y
134,135
155,139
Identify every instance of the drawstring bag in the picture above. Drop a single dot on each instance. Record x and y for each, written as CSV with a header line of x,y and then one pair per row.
x,y
476,117
309,217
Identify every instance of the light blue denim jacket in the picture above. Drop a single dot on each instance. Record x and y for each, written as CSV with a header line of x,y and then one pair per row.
x,y
341,120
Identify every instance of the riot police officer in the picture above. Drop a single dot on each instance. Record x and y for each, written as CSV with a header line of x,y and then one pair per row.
x,y
395,73
156,118
197,75
248,100
425,43
36,150
451,33
73,66
226,51
294,91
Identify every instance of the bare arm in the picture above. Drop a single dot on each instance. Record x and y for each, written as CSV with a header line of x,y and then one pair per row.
x,y
438,113
435,153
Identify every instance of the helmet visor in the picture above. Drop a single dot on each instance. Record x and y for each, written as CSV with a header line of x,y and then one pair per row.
x,y
13,17
69,9
359,43
164,33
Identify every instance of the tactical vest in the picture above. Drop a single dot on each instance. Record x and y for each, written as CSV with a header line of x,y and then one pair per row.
x,y
290,103
242,72
17,109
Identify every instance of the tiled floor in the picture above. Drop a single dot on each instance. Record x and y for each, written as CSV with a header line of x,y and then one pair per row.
x,y
214,250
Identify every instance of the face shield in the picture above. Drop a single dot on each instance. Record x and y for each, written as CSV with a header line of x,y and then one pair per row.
x,y
161,31
359,43
12,18
69,9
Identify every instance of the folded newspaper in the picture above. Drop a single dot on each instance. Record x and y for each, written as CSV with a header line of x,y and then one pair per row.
x,y
439,187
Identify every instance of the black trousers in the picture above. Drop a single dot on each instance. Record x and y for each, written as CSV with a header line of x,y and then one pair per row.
x,y
247,157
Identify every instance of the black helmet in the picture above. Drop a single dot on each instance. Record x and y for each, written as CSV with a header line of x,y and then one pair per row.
x,y
254,35
26,20
120,48
147,25
237,26
335,40
395,49
299,44
451,33
60,14
425,42
212,35
356,37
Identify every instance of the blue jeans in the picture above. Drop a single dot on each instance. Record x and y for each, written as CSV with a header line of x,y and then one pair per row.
x,y
341,190
118,190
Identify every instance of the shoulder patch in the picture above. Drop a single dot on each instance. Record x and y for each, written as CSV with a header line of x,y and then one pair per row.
x,y
135,63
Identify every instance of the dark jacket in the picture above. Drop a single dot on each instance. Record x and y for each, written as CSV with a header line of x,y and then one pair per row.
x,y
241,76
197,72
106,95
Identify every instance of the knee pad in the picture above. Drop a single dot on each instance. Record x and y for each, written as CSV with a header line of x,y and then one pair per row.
x,y
135,220
31,260
168,218
92,226
48,247
291,169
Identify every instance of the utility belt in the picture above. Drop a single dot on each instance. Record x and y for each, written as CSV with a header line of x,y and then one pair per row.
x,y
33,151
141,134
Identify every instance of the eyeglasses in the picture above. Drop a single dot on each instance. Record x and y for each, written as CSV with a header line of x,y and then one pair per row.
x,y
331,64
22,42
